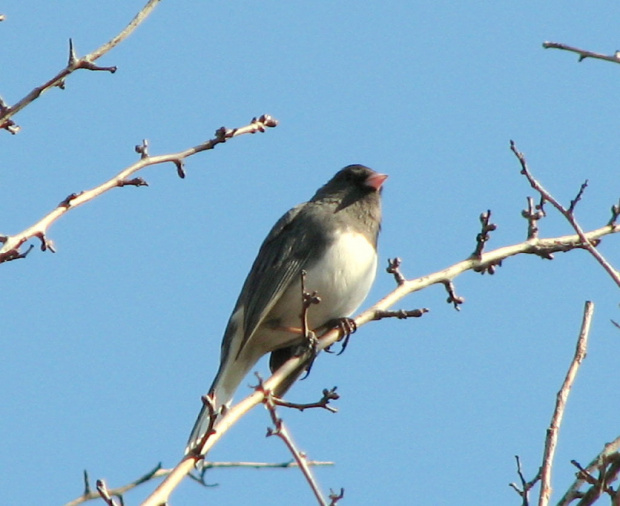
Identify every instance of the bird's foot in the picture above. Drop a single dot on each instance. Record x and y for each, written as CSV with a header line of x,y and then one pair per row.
x,y
347,326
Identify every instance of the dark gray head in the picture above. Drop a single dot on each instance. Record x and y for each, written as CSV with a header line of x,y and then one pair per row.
x,y
351,184
354,194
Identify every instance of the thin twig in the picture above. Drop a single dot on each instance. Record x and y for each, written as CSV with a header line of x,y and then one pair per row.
x,y
11,245
401,314
75,63
90,495
324,402
526,486
560,404
159,472
583,54
282,432
567,213
263,465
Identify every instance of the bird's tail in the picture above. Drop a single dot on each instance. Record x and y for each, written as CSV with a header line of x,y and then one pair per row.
x,y
230,374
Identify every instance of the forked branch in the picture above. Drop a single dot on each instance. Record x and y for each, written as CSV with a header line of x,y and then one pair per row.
x,y
568,213
74,63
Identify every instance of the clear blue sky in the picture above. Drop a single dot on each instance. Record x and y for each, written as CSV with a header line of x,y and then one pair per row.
x,y
107,345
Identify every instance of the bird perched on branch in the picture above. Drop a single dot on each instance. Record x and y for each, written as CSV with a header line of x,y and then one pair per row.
x,y
333,238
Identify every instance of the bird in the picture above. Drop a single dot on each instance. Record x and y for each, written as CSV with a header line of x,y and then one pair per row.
x,y
333,239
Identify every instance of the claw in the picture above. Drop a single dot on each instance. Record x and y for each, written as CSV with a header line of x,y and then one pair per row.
x,y
347,326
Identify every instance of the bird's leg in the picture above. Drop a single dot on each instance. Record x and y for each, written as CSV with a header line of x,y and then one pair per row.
x,y
308,340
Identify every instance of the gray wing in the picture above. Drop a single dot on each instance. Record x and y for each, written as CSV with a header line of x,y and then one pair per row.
x,y
291,243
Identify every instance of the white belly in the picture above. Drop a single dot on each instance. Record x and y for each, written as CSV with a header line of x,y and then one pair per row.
x,y
342,280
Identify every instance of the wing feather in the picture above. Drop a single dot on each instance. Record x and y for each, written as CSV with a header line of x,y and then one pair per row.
x,y
288,248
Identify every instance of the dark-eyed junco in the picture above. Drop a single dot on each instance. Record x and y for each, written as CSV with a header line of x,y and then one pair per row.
x,y
333,237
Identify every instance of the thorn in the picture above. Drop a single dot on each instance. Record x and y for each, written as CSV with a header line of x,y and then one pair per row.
x,y
86,483
72,55
615,212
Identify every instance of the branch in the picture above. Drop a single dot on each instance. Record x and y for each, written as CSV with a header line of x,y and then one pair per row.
x,y
583,54
159,472
401,314
567,213
75,63
526,486
328,395
281,431
11,245
537,246
560,404
609,456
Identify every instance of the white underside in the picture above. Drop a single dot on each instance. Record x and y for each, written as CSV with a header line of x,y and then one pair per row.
x,y
342,279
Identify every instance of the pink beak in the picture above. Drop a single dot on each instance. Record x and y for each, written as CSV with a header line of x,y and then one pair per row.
x,y
376,181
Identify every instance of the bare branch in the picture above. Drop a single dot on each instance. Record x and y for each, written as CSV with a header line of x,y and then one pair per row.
x,y
263,465
11,245
583,54
539,247
606,464
560,404
567,213
401,314
526,486
74,63
328,395
90,495
281,431
159,472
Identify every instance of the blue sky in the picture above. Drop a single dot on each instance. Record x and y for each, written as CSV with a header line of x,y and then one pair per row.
x,y
108,344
